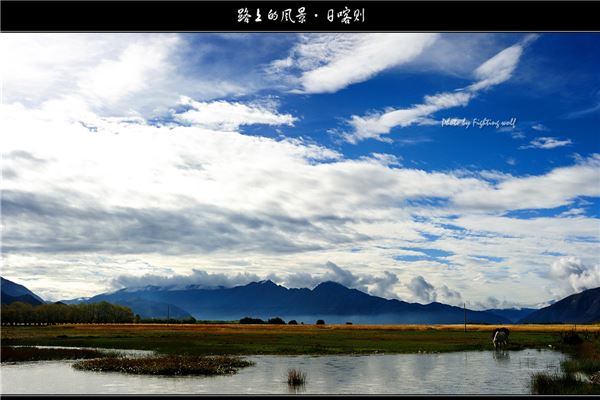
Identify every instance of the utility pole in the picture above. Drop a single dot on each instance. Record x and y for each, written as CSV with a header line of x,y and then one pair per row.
x,y
465,308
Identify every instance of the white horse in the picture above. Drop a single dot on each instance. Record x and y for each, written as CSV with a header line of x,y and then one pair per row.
x,y
500,337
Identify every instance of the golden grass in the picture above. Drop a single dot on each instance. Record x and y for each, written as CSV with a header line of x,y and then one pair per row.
x,y
309,328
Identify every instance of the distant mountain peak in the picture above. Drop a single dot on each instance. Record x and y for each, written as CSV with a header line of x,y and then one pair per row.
x,y
329,285
266,282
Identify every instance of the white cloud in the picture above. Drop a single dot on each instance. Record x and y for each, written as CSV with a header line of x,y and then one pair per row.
x,y
193,198
574,275
136,68
373,126
331,62
110,74
547,143
540,127
198,278
91,191
573,212
224,115
556,188
497,69
492,72
584,112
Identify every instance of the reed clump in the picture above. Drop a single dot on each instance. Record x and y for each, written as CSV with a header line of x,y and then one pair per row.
x,y
296,377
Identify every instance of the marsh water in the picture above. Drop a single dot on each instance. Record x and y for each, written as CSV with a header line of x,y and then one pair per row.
x,y
470,372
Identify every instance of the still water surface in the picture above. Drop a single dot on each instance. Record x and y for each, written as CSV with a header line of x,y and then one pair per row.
x,y
470,372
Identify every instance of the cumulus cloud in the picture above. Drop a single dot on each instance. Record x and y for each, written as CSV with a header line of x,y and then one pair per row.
x,y
492,72
448,295
327,63
378,285
422,289
547,143
224,115
197,279
574,275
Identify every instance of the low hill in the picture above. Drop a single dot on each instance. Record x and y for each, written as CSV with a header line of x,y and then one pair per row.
x,y
12,292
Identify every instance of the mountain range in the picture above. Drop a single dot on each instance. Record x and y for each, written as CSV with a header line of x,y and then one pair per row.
x,y
330,301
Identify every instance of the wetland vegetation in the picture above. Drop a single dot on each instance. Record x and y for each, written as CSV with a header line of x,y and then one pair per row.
x,y
175,365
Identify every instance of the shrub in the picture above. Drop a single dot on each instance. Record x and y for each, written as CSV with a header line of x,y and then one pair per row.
x,y
276,321
320,322
348,323
296,377
293,322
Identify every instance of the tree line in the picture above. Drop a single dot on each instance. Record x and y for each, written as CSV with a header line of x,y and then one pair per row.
x,y
58,313
274,321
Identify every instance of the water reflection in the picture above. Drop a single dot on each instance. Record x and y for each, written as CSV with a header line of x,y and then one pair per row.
x,y
483,372
297,389
501,356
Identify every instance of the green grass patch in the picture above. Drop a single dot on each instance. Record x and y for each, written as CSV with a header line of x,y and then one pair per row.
x,y
166,365
21,354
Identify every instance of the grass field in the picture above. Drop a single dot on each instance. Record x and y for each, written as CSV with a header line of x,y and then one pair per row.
x,y
234,339
214,339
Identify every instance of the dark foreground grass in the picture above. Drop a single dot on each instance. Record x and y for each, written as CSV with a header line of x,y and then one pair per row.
x,y
166,365
21,354
580,374
561,384
588,366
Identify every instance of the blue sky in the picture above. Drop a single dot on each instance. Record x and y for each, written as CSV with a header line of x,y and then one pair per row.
x,y
218,159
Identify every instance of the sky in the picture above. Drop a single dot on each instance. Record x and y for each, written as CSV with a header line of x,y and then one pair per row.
x,y
450,167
